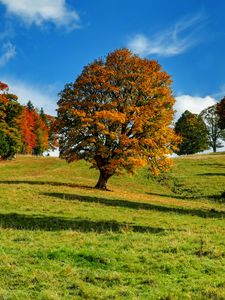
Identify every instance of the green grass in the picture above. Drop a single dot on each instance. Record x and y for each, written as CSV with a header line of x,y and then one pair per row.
x,y
146,239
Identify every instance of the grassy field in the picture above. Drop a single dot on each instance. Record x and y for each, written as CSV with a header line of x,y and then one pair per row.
x,y
145,239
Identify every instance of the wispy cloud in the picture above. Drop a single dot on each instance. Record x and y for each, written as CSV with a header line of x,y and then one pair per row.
x,y
8,51
41,11
173,41
6,31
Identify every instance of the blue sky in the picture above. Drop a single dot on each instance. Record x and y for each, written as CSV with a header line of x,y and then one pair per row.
x,y
46,43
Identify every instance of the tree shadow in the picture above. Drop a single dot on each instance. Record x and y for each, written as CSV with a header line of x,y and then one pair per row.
x,y
172,196
213,165
218,198
211,174
140,205
52,183
51,223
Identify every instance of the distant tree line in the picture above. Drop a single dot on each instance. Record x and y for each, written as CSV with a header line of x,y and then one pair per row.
x,y
117,115
203,131
23,129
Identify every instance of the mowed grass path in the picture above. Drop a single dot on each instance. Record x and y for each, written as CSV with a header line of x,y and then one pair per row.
x,y
62,239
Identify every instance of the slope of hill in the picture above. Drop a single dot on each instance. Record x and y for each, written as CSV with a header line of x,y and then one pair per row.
x,y
146,239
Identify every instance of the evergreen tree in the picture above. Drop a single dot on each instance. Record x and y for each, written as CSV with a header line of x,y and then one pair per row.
x,y
30,106
193,132
43,116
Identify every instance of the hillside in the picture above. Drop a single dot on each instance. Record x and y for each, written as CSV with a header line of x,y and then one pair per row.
x,y
145,239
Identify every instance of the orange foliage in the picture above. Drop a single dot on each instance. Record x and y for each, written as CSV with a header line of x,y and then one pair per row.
x,y
117,115
27,119
3,86
32,129
34,132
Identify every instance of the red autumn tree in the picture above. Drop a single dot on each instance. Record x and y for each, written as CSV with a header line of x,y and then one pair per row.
x,y
27,123
34,131
117,116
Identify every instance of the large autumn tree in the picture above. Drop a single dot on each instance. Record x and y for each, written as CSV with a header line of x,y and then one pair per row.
x,y
117,116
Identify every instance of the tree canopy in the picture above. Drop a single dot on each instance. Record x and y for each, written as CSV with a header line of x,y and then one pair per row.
x,y
22,128
193,132
117,116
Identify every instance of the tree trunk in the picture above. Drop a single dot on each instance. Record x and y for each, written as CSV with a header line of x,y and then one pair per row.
x,y
102,181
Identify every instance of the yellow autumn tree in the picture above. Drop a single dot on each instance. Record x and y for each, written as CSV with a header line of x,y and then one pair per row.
x,y
117,116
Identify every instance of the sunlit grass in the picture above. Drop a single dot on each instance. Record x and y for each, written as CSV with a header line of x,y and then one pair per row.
x,y
62,239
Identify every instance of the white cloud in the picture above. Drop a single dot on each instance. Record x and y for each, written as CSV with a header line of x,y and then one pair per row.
x,y
192,103
170,42
40,96
7,53
41,11
140,44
